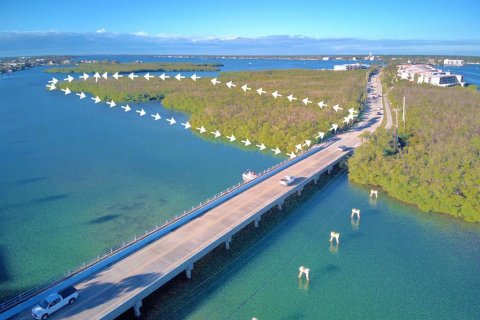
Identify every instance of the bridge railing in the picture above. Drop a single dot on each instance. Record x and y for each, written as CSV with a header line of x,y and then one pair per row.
x,y
24,296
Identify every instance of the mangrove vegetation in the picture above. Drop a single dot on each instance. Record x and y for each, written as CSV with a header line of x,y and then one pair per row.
x,y
260,118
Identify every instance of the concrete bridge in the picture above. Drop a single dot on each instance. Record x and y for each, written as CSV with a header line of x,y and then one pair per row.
x,y
113,289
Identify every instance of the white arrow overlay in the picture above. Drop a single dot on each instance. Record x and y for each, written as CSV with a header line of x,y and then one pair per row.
x,y
214,81
246,142
116,75
179,77
84,77
69,78
261,146
260,91
230,84
67,91
216,133
245,88
51,86
97,76
320,135
352,110
231,138
186,125
346,119
81,95
306,101
105,75
148,76
163,76
307,143
276,150
201,129
53,81
141,113
334,127
194,77
132,76
171,120
321,104
291,155
156,116
298,147
111,104
126,108
291,98
96,99
336,108
275,94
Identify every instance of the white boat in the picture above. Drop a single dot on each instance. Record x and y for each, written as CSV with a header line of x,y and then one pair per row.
x,y
249,175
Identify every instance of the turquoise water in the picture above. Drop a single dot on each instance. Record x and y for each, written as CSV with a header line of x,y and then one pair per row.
x,y
397,263
77,178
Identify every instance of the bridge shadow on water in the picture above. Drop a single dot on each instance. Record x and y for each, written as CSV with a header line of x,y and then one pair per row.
x,y
180,296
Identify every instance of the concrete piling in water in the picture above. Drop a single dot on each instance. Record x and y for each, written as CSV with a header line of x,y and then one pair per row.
x,y
336,236
304,271
355,212
374,193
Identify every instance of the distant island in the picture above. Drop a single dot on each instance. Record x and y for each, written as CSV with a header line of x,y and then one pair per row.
x,y
261,118
113,67
435,163
13,64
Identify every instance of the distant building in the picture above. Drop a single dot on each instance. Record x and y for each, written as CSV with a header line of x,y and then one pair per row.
x,y
451,62
326,58
351,66
424,73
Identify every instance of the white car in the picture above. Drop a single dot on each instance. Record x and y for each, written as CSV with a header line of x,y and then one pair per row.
x,y
54,302
287,180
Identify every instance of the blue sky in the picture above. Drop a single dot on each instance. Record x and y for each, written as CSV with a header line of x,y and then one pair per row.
x,y
221,21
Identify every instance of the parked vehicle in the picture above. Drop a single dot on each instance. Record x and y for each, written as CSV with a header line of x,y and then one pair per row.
x,y
287,180
54,302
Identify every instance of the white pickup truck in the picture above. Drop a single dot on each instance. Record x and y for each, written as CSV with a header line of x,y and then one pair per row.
x,y
54,302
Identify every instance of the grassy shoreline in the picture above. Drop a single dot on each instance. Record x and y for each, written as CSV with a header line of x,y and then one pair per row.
x,y
260,118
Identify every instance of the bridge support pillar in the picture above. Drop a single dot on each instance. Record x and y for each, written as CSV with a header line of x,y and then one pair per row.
x,y
136,308
299,193
227,243
315,180
329,170
257,220
280,205
188,271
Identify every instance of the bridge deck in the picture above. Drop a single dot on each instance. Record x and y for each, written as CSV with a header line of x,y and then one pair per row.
x,y
115,289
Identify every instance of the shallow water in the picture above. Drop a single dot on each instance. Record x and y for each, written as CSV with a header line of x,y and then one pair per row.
x,y
396,263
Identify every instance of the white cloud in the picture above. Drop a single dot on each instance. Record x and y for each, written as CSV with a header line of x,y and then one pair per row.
x,y
103,30
141,34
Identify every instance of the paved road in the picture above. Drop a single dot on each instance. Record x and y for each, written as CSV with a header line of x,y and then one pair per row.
x,y
158,262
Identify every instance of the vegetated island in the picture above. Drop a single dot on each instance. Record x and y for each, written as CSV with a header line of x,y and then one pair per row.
x,y
260,118
113,67
436,163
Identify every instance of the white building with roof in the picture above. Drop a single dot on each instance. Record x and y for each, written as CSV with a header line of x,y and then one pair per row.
x,y
452,62
424,73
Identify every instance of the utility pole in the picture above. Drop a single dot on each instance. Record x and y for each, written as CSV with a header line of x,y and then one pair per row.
x,y
396,126
403,114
